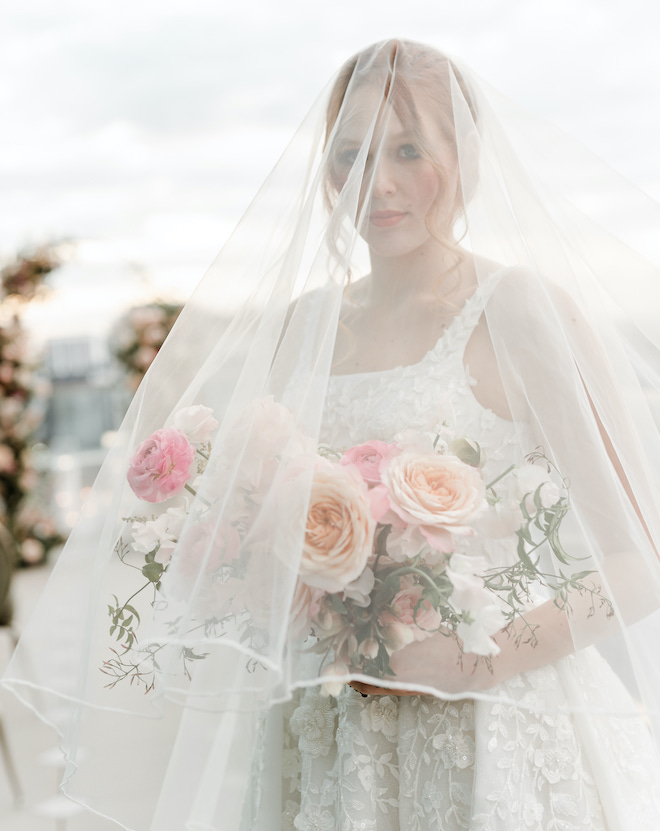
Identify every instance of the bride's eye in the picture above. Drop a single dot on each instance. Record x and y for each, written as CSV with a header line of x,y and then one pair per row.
x,y
347,158
408,151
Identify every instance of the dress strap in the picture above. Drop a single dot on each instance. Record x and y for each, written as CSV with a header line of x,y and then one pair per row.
x,y
468,317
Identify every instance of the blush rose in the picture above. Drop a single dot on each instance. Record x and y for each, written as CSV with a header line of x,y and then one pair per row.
x,y
368,457
437,492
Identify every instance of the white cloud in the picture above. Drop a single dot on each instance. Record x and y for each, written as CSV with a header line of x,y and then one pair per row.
x,y
147,126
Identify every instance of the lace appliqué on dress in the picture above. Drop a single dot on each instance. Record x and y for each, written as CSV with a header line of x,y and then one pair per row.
x,y
416,763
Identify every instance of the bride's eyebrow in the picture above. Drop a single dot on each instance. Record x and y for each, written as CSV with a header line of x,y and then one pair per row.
x,y
345,139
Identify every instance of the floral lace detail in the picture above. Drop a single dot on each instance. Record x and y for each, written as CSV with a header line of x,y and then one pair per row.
x,y
422,396
420,764
533,761
314,724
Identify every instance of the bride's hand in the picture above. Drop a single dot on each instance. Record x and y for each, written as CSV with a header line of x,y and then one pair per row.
x,y
436,662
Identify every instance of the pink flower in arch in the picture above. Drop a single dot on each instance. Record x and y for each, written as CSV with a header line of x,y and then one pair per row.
x,y
160,467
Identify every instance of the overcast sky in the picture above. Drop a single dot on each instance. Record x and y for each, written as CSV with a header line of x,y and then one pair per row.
x,y
142,129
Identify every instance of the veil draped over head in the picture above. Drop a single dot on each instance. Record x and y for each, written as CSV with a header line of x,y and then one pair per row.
x,y
265,524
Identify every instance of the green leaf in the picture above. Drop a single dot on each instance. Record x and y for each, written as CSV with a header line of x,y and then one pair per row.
x,y
522,554
582,574
153,572
338,604
133,611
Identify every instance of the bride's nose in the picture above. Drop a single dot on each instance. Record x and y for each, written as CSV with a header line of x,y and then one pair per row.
x,y
383,182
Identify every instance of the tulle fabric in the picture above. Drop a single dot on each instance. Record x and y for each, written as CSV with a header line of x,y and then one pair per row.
x,y
219,644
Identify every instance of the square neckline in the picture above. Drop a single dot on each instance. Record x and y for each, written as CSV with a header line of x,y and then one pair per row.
x,y
458,318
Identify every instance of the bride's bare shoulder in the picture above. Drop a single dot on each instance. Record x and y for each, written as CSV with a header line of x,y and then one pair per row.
x,y
527,296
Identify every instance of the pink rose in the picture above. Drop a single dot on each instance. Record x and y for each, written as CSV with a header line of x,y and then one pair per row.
x,y
423,622
437,492
367,459
340,528
161,465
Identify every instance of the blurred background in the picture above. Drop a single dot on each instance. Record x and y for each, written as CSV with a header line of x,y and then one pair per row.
x,y
133,137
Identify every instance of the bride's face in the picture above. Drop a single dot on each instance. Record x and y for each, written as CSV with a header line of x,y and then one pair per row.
x,y
402,195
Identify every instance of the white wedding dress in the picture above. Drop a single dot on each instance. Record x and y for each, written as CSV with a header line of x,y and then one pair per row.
x,y
422,764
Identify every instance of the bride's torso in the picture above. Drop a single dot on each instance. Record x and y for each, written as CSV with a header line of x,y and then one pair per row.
x,y
433,396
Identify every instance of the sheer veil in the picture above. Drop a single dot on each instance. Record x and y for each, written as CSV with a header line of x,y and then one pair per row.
x,y
192,602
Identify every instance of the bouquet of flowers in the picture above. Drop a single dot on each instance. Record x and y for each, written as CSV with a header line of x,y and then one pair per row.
x,y
411,512
388,555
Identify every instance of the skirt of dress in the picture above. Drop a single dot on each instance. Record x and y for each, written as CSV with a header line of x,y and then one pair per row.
x,y
417,763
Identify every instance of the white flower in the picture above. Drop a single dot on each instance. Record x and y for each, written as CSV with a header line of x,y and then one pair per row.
x,y
419,442
564,804
469,594
529,479
556,762
314,819
263,434
456,748
314,724
366,777
406,543
360,589
197,422
532,813
500,520
381,715
163,531
397,635
338,668
476,634
290,764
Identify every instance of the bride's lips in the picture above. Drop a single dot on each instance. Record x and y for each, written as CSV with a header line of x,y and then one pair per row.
x,y
385,219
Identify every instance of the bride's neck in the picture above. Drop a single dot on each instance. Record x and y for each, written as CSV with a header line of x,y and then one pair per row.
x,y
419,276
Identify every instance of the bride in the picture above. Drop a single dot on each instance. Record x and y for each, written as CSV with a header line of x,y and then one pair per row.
x,y
399,567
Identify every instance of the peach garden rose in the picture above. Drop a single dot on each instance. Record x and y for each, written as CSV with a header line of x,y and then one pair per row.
x,y
340,528
437,492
